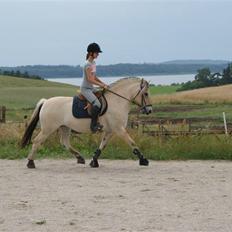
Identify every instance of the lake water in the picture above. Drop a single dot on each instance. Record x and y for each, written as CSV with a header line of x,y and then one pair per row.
x,y
156,79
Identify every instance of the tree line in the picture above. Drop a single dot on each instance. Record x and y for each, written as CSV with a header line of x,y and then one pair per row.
x,y
204,78
123,69
17,73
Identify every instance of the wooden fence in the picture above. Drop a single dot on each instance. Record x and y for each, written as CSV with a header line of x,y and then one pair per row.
x,y
147,125
180,126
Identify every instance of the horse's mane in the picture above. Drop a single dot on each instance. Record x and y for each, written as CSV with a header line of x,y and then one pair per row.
x,y
122,81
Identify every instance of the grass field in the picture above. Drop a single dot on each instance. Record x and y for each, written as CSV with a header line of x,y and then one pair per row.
x,y
213,111
21,93
180,148
167,89
17,93
213,95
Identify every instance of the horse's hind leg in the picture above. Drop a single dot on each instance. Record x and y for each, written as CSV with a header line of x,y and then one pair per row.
x,y
65,140
39,139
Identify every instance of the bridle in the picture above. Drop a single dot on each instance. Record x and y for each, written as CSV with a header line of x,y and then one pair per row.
x,y
143,104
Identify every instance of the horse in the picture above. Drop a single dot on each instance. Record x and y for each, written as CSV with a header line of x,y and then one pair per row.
x,y
56,114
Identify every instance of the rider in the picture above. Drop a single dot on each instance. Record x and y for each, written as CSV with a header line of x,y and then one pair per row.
x,y
90,79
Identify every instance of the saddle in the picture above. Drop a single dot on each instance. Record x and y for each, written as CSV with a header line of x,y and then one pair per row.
x,y
81,108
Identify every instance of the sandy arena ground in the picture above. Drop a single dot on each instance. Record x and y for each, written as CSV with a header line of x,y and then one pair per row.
x,y
62,196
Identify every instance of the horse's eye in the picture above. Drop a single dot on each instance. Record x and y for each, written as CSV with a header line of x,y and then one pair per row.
x,y
146,94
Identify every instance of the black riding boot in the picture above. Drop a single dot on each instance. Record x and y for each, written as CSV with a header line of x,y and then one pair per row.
x,y
95,126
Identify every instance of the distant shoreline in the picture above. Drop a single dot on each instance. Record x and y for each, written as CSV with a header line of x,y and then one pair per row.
x,y
140,75
123,69
153,79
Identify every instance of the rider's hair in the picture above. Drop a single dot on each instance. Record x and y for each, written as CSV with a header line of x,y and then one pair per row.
x,y
88,55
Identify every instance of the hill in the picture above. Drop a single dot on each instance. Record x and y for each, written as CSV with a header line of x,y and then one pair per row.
x,y
23,93
170,67
206,62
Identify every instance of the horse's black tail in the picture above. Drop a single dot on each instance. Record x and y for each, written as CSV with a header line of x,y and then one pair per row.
x,y
26,139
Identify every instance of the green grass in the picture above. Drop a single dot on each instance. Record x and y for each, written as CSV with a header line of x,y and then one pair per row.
x,y
177,148
18,93
202,111
166,89
15,82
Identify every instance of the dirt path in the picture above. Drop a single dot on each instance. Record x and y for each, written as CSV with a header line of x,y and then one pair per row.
x,y
119,196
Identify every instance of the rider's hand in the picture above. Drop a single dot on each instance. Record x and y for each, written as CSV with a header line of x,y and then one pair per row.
x,y
105,86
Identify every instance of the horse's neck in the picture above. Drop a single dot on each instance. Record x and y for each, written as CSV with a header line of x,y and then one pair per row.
x,y
127,91
120,103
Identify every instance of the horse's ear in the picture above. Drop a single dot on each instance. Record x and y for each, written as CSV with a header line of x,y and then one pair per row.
x,y
141,84
144,85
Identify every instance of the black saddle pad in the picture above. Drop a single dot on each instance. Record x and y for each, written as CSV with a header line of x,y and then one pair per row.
x,y
78,106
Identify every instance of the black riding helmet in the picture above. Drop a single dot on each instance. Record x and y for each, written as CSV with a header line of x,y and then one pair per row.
x,y
94,47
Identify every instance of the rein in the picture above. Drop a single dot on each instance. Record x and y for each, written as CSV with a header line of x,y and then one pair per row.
x,y
132,101
143,104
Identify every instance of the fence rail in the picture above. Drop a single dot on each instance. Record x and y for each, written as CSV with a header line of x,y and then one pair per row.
x,y
169,127
147,125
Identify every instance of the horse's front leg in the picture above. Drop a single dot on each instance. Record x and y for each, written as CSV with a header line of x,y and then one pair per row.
x,y
97,153
126,137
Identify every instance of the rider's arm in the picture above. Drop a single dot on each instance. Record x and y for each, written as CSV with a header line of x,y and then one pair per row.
x,y
96,78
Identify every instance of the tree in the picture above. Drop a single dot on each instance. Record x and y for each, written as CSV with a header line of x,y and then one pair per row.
x,y
227,75
203,76
12,73
6,73
215,78
18,73
26,75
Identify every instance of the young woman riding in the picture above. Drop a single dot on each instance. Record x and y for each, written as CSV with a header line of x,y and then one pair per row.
x,y
90,79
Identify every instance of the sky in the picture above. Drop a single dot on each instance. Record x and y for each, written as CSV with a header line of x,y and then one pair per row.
x,y
57,32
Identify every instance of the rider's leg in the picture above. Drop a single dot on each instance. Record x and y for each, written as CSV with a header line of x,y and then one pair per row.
x,y
96,107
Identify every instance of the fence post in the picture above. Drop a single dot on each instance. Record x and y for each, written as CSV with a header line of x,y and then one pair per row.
x,y
190,129
225,124
3,114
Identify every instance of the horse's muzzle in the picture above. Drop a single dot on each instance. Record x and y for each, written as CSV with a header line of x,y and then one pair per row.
x,y
146,109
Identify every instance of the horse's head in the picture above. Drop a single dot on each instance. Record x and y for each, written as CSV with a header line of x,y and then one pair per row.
x,y
142,98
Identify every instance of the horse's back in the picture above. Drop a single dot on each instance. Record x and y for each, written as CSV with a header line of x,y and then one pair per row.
x,y
55,108
59,100
57,111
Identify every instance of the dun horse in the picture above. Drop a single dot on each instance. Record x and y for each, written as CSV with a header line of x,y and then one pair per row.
x,y
56,114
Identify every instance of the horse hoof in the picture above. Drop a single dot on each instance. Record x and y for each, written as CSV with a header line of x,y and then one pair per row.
x,y
143,162
31,164
80,160
94,163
